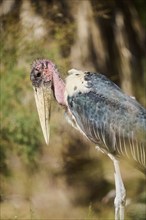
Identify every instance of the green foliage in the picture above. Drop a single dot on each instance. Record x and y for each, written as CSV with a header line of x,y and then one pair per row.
x,y
20,131
19,128
91,214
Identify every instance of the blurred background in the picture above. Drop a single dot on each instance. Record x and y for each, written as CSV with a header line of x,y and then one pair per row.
x,y
68,179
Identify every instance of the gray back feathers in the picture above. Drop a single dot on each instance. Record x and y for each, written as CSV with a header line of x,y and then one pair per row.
x,y
110,118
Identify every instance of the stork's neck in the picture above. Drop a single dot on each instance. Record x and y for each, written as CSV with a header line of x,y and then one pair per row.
x,y
58,87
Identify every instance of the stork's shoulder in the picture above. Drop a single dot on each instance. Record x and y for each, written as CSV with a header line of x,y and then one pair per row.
x,y
75,82
85,81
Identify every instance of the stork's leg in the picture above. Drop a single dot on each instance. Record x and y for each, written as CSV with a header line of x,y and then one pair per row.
x,y
120,198
120,193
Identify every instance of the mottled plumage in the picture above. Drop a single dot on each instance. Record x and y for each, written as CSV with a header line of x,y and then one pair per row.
x,y
109,118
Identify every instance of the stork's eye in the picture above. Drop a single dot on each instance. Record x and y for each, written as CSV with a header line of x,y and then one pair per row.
x,y
38,74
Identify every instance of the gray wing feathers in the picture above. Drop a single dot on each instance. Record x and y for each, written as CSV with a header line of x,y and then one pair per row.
x,y
111,119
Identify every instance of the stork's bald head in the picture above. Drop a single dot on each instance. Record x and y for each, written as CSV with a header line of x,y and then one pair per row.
x,y
42,72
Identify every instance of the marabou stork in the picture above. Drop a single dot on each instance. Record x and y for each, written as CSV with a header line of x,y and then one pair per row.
x,y
94,105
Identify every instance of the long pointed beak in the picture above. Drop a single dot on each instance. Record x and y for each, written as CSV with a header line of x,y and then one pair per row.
x,y
43,104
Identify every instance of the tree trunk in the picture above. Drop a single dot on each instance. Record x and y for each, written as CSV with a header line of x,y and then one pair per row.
x,y
88,50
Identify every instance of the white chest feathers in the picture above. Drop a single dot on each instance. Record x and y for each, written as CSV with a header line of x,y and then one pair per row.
x,y
75,83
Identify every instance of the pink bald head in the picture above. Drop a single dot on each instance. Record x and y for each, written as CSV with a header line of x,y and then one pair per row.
x,y
45,73
42,72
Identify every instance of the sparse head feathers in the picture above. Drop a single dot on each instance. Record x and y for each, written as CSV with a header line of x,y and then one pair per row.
x,y
75,82
42,71
43,64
